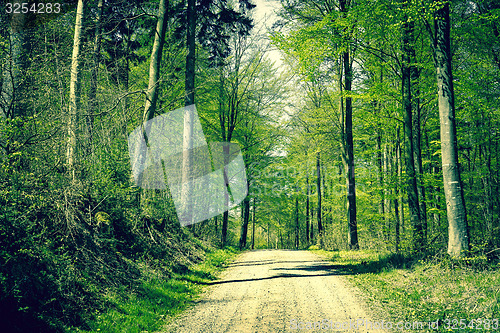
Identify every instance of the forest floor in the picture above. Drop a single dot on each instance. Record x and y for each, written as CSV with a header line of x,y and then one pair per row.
x,y
280,291
438,294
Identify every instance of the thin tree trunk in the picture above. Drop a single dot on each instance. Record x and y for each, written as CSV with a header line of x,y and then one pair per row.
x,y
326,211
281,239
407,71
307,207
458,233
396,216
351,182
399,162
155,62
191,48
268,232
74,93
297,227
345,84
312,224
318,183
154,75
417,134
397,189
225,223
245,219
13,73
253,225
380,167
187,159
387,168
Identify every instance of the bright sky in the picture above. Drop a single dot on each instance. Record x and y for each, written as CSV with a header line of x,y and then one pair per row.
x,y
265,16
266,8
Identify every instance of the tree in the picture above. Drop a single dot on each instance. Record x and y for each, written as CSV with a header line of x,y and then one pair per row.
x,y
322,36
11,93
319,213
189,86
345,83
216,19
154,77
155,63
409,75
458,233
245,217
74,93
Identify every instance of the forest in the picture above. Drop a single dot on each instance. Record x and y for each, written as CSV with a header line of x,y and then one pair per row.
x,y
362,124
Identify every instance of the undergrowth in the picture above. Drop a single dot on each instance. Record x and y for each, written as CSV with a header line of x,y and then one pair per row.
x,y
159,298
434,289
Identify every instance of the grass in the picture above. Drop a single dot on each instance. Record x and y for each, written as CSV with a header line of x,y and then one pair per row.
x,y
158,299
411,290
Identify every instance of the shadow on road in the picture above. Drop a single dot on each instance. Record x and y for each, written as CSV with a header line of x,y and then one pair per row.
x,y
306,270
309,268
267,262
278,276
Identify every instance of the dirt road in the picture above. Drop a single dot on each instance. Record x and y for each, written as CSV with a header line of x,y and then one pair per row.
x,y
278,291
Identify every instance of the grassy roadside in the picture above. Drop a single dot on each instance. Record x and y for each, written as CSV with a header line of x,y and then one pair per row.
x,y
426,291
159,299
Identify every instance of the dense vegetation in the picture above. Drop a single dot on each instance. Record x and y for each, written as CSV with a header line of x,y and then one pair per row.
x,y
380,130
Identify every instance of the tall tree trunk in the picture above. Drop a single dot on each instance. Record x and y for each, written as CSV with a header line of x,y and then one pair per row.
x,y
380,167
318,183
458,233
417,135
281,239
397,206
388,170
324,187
345,84
13,73
311,237
230,120
407,71
399,168
382,157
245,212
155,62
253,225
417,144
396,217
191,56
74,93
297,226
154,76
307,207
225,223
351,182
268,232
187,160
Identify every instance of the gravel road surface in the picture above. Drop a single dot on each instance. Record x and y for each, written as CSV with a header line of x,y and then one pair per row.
x,y
278,291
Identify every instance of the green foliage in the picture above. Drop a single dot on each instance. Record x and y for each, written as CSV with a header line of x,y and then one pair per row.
x,y
412,289
158,299
100,243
